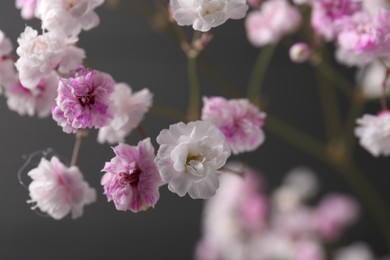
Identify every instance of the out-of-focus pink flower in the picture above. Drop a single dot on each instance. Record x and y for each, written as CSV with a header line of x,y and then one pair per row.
x,y
8,75
326,14
238,120
37,101
28,8
83,100
300,52
190,156
58,190
254,3
68,17
206,14
275,19
5,45
39,55
129,110
334,214
374,133
132,180
308,249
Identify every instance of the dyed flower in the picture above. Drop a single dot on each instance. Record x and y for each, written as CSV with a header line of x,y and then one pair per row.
x,y
334,214
190,156
39,55
326,14
300,52
269,24
83,100
58,190
28,8
374,133
205,14
33,101
238,120
132,180
68,17
129,112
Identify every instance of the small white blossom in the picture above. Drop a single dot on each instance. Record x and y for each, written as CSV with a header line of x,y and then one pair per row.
x,y
374,133
205,14
190,156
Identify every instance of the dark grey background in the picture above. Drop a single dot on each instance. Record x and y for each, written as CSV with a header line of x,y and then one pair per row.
x,y
125,46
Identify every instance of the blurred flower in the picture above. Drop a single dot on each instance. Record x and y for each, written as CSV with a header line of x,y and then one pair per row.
x,y
371,80
83,100
5,45
58,190
129,110
238,120
374,133
190,156
37,101
132,180
254,3
206,14
300,52
270,24
356,251
68,17
39,55
28,8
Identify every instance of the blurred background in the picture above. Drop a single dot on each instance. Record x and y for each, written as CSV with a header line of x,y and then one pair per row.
x,y
132,50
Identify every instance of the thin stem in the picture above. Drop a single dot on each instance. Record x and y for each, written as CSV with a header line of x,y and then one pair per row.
x,y
141,132
258,72
194,95
384,89
81,133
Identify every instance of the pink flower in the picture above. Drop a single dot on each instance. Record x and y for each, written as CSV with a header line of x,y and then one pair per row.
x,y
132,180
300,52
5,45
326,13
374,133
8,74
238,120
275,19
335,212
58,190
33,101
129,110
28,8
83,100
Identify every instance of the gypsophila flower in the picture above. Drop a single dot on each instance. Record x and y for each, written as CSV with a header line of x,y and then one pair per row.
x,y
129,110
8,74
5,45
206,14
58,190
371,80
300,52
68,17
39,55
83,100
269,24
28,8
37,101
190,156
132,180
238,120
374,133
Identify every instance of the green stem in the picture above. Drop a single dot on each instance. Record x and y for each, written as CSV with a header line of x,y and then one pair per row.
x,y
194,95
258,72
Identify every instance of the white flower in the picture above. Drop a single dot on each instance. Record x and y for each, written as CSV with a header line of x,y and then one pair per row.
x,y
37,101
205,14
68,16
374,133
190,156
58,190
129,112
371,79
39,55
356,251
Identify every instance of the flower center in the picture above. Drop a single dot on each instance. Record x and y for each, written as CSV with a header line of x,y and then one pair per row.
x,y
86,100
194,165
131,179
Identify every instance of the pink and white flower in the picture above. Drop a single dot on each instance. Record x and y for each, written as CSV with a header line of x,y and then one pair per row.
x,y
238,120
132,180
374,133
5,45
58,190
83,100
269,24
37,101
68,17
39,55
28,8
8,74
206,14
190,156
300,52
129,110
